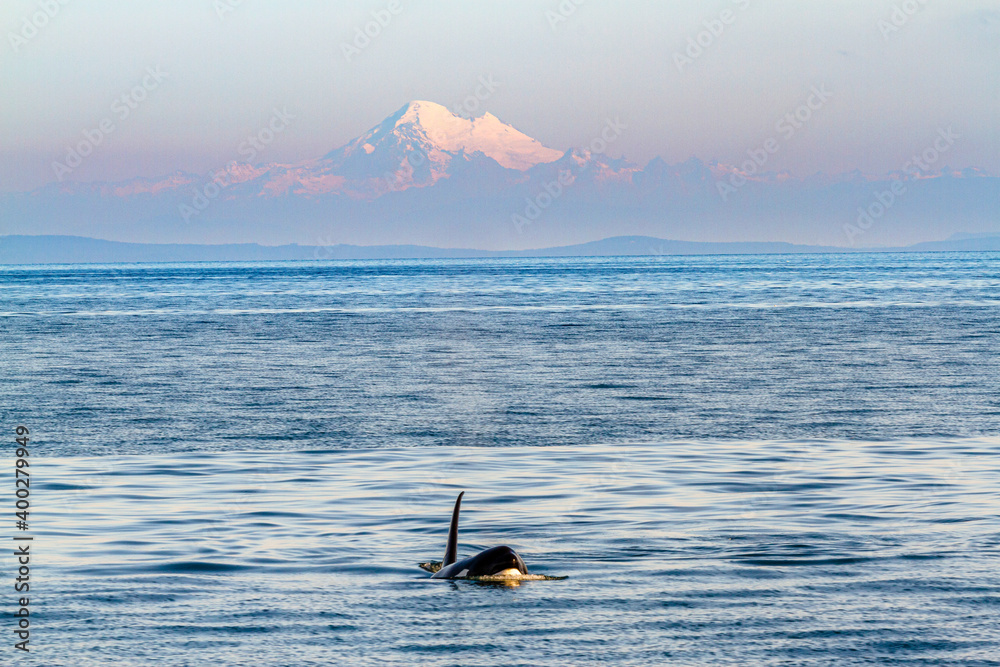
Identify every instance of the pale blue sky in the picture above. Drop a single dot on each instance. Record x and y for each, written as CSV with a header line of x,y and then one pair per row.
x,y
891,91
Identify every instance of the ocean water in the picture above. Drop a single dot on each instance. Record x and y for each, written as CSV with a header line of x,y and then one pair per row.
x,y
746,460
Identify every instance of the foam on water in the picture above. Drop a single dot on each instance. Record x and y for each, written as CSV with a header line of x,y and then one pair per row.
x,y
724,552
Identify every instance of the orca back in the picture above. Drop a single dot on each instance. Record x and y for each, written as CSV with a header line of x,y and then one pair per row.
x,y
486,563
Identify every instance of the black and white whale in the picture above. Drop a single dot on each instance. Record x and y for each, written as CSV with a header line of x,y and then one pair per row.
x,y
494,564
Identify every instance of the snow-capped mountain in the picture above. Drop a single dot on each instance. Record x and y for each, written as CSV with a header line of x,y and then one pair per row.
x,y
417,146
427,132
425,175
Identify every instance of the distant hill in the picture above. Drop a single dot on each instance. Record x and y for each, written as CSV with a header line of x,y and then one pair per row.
x,y
78,249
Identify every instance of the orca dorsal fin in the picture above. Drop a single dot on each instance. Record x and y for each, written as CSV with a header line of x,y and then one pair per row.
x,y
451,551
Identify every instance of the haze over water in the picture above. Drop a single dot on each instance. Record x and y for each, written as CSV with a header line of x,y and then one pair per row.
x,y
777,459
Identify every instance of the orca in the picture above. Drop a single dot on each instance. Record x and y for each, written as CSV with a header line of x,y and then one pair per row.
x,y
495,564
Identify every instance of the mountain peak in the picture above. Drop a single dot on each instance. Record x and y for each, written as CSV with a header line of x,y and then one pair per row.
x,y
423,112
431,129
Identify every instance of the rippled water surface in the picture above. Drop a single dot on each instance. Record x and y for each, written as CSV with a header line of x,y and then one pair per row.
x,y
773,460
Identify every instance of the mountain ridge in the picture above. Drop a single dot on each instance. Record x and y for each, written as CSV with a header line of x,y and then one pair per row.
x,y
420,131
46,249
427,176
